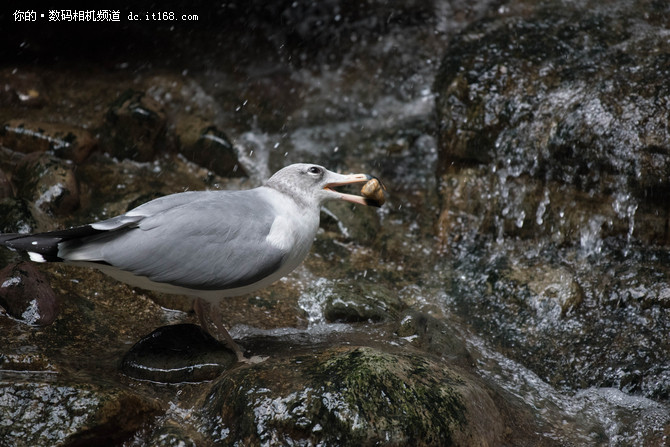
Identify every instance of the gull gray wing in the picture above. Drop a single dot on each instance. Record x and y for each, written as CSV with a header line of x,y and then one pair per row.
x,y
47,246
212,241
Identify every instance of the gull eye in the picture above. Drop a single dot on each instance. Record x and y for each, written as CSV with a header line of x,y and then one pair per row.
x,y
315,170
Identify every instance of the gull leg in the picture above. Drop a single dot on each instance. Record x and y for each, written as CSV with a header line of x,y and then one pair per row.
x,y
210,320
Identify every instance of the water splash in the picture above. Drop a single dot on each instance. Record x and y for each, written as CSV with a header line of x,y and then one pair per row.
x,y
590,240
542,208
625,207
591,415
253,151
313,301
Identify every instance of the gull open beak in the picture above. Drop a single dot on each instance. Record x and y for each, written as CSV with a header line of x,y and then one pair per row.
x,y
347,180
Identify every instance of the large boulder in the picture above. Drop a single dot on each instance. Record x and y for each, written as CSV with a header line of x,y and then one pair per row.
x,y
557,118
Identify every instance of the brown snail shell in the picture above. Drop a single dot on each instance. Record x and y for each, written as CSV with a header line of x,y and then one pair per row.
x,y
374,191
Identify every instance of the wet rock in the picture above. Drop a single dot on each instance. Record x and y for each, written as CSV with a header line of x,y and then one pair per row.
x,y
553,155
65,141
48,183
475,201
18,87
174,434
553,289
177,353
561,100
110,187
15,217
26,361
191,112
351,396
6,189
589,322
212,150
348,221
40,414
25,293
433,336
135,127
354,302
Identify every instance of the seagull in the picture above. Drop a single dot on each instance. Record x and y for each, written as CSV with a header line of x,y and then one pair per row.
x,y
206,244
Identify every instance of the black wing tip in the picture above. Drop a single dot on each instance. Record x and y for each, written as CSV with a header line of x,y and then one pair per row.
x,y
43,247
4,237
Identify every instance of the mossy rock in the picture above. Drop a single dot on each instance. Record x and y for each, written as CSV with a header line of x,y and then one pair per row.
x,y
351,396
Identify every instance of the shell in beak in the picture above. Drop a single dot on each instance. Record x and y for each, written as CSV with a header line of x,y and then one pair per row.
x,y
371,194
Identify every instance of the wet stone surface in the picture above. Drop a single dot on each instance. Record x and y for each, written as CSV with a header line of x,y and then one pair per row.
x,y
133,127
65,141
352,303
25,294
5,186
350,396
22,89
175,354
561,111
45,413
212,150
550,193
49,184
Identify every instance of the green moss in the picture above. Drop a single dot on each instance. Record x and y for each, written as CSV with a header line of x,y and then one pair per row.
x,y
396,396
357,397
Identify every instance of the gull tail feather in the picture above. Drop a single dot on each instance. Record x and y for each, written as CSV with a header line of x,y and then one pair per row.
x,y
44,247
65,245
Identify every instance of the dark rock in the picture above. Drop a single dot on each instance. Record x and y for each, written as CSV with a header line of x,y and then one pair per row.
x,y
353,302
177,353
26,294
191,112
21,88
15,216
351,396
65,141
349,221
589,323
212,150
48,183
46,414
135,127
433,336
26,362
560,102
6,189
475,200
553,289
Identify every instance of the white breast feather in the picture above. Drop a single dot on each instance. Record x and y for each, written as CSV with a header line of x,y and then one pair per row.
x,y
281,234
